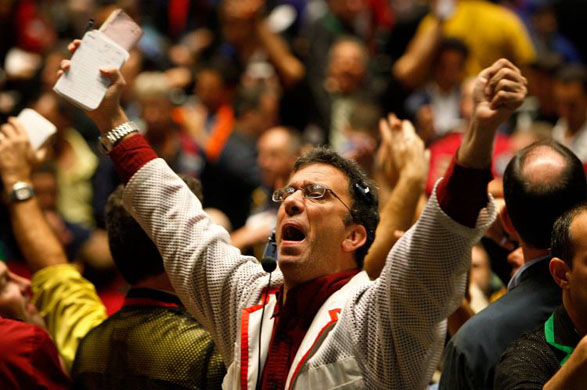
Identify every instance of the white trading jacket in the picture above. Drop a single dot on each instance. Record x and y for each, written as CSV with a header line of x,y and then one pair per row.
x,y
385,334
345,372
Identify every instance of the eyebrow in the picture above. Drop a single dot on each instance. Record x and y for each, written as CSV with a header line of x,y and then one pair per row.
x,y
303,184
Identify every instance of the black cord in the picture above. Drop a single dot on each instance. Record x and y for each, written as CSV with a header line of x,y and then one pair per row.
x,y
260,375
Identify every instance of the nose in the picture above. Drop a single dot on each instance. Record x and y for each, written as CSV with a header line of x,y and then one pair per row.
x,y
294,204
23,283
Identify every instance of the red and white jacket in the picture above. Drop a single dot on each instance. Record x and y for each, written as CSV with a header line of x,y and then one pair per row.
x,y
382,334
242,374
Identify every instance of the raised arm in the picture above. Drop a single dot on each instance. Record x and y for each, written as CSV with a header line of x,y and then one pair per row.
x,y
38,243
402,168
290,69
210,276
413,67
67,302
398,323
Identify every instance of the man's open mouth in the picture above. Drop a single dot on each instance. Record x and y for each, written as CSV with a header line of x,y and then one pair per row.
x,y
292,233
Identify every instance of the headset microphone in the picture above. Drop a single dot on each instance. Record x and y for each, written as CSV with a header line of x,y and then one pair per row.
x,y
269,263
269,259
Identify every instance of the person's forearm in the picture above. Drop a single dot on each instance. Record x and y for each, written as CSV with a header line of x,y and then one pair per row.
x,y
413,67
130,155
290,69
34,236
107,123
398,214
462,193
477,147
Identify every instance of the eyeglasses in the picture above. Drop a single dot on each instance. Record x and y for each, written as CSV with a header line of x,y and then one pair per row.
x,y
309,191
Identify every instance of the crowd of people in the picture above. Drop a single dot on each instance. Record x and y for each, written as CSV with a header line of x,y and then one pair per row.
x,y
298,194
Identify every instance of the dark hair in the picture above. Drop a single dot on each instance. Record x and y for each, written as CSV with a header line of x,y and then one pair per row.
x,y
571,74
533,207
364,208
134,254
546,63
562,244
227,70
453,44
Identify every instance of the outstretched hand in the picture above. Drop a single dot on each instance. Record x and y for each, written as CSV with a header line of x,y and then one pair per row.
x,y
401,152
499,90
17,157
109,114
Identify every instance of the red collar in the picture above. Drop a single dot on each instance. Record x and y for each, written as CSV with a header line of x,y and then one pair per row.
x,y
293,320
304,300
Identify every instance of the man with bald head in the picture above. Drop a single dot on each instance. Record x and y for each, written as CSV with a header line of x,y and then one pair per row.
x,y
278,149
540,183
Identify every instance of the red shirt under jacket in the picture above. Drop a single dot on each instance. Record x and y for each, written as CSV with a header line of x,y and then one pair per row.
x,y
29,358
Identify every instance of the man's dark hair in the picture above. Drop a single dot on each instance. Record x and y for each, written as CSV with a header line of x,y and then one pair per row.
x,y
533,207
134,254
547,64
562,244
364,207
453,44
227,70
571,74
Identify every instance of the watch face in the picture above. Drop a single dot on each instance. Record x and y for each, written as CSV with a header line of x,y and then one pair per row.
x,y
23,193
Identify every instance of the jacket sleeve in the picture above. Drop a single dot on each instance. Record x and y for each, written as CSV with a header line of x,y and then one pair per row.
x,y
69,305
397,323
206,271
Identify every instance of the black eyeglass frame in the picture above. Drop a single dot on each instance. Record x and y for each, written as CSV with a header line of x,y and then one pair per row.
x,y
283,193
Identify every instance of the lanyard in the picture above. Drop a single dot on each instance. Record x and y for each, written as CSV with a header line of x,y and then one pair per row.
x,y
549,335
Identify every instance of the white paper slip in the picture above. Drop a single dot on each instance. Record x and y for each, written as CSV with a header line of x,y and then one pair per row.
x,y
82,83
38,128
122,29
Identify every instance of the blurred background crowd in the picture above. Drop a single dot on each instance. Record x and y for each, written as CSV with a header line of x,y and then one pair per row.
x,y
232,91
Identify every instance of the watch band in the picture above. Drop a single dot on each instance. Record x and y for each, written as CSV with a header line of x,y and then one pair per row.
x,y
111,138
20,192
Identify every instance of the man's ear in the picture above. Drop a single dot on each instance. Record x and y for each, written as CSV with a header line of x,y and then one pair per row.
x,y
356,235
560,271
507,221
508,226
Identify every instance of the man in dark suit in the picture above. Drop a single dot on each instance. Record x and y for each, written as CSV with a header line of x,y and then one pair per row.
x,y
540,183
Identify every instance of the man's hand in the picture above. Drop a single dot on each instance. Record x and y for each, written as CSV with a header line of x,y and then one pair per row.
x,y
402,166
499,90
17,158
401,152
109,114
